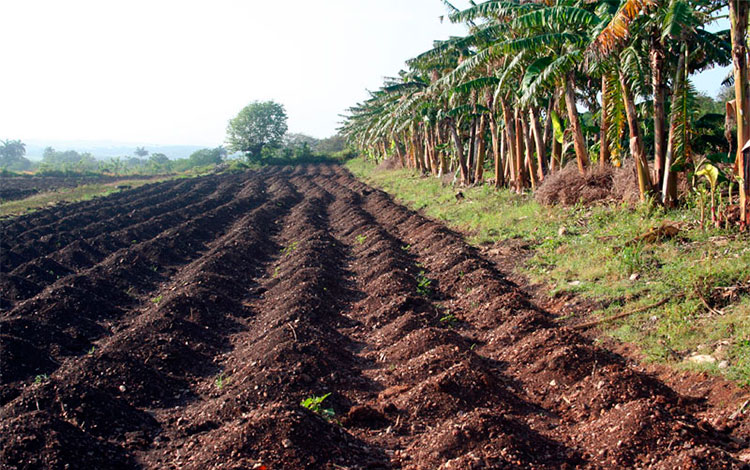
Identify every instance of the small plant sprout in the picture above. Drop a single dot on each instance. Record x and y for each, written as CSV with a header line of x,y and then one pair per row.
x,y
157,299
92,351
406,247
276,272
221,380
315,404
449,320
361,239
423,284
711,173
41,378
289,248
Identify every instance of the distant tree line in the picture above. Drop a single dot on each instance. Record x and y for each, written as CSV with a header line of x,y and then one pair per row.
x,y
291,147
258,135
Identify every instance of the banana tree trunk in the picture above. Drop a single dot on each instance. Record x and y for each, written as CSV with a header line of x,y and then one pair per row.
x,y
658,86
578,141
636,142
443,162
541,154
547,134
481,150
510,130
669,183
472,149
430,142
529,162
459,152
497,151
604,153
418,162
399,151
520,174
739,11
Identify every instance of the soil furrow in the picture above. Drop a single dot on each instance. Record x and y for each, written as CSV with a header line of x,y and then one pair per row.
x,y
583,389
194,347
66,318
163,355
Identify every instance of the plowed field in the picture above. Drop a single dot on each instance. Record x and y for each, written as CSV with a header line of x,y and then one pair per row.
x,y
179,325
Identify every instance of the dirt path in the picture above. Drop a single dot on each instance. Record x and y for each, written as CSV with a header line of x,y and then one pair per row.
x,y
179,325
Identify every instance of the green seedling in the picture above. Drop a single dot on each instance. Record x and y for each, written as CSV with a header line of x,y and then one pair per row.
x,y
157,299
92,351
41,378
276,271
406,247
315,404
221,380
290,248
423,284
361,239
449,319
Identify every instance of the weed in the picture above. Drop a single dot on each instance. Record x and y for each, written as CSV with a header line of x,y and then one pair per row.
x,y
315,404
361,239
41,378
449,320
289,249
221,380
92,351
632,259
276,271
406,247
157,299
423,284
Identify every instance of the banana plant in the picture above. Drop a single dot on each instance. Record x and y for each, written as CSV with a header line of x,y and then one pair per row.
x,y
711,173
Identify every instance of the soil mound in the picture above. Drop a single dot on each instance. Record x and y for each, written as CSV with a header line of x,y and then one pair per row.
x,y
569,187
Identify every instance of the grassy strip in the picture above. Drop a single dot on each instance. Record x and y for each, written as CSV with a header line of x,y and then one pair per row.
x,y
585,251
79,193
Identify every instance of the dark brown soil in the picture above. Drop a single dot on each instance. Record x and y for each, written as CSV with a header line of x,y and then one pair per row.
x,y
20,187
181,324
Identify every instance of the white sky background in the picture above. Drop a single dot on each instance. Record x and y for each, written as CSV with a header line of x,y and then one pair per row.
x,y
175,71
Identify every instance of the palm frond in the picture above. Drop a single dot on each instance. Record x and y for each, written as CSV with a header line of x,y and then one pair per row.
x,y
618,28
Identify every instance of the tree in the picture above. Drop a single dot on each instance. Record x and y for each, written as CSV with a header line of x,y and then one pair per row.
x,y
12,155
739,16
141,151
257,126
159,161
526,65
207,156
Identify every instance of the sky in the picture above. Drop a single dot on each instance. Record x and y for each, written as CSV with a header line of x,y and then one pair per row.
x,y
173,72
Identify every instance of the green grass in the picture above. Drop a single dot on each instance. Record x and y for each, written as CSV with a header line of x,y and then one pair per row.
x,y
591,258
79,193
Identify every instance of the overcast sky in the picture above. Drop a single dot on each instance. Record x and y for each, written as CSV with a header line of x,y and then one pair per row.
x,y
175,71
